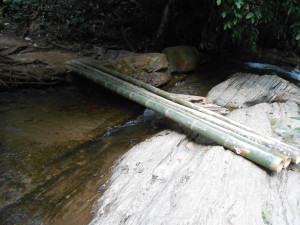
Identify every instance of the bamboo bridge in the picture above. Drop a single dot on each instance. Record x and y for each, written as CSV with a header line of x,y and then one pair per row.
x,y
263,150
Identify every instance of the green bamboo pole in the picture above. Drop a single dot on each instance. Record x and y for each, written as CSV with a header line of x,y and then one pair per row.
x,y
251,152
220,120
192,112
273,143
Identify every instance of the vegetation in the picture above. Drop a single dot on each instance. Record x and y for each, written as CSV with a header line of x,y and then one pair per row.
x,y
243,23
247,19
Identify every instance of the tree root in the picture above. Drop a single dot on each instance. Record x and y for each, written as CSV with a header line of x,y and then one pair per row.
x,y
15,49
15,74
57,45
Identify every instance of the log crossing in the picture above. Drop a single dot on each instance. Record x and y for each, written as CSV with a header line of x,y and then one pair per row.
x,y
263,150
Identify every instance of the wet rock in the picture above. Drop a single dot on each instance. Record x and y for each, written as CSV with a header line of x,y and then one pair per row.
x,y
245,90
182,58
203,184
151,68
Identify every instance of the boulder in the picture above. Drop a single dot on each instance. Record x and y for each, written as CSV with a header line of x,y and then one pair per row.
x,y
171,179
177,177
245,89
182,58
151,68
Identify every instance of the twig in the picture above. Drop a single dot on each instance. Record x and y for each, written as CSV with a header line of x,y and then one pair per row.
x,y
57,45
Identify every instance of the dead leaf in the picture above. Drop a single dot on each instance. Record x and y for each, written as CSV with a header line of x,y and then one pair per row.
x,y
190,145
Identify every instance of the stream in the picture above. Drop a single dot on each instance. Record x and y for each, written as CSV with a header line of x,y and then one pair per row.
x,y
58,145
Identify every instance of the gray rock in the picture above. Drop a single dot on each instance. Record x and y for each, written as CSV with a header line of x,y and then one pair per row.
x,y
199,184
244,90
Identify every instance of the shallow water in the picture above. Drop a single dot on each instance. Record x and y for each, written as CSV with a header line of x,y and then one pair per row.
x,y
41,134
57,145
289,73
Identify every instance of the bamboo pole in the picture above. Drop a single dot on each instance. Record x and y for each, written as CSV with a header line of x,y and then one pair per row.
x,y
192,112
197,114
266,159
227,123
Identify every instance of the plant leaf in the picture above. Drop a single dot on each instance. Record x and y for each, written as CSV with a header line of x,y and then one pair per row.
x,y
249,15
223,14
295,118
218,2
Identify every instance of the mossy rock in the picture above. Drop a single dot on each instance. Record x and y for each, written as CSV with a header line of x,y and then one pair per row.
x,y
151,68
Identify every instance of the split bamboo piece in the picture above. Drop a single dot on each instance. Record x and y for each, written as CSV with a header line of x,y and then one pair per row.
x,y
267,159
227,123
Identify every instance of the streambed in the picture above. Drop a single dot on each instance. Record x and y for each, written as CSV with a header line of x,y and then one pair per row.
x,y
57,145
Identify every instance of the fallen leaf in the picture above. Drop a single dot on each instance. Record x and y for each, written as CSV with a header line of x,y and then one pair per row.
x,y
190,145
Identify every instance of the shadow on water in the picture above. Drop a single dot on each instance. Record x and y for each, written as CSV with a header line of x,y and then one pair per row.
x,y
57,145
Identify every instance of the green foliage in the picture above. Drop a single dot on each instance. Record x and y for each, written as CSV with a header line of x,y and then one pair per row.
x,y
245,22
19,9
246,19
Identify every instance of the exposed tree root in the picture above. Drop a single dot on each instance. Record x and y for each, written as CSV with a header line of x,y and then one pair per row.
x,y
15,74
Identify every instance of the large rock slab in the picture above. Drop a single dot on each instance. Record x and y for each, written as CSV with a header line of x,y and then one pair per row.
x,y
174,179
182,58
244,90
151,68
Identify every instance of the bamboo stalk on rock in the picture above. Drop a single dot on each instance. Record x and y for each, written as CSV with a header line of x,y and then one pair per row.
x,y
268,160
192,112
213,117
